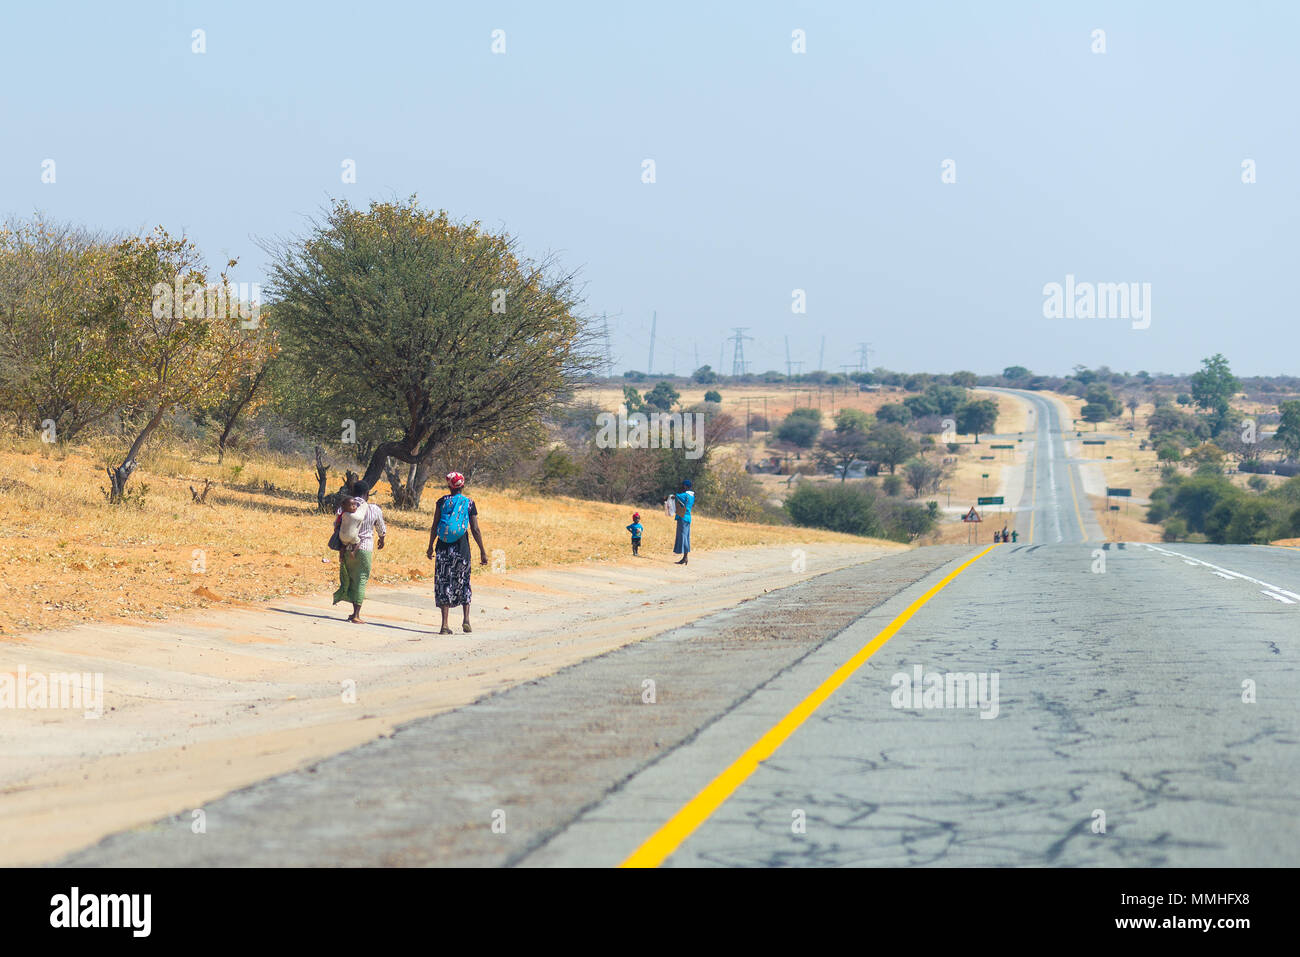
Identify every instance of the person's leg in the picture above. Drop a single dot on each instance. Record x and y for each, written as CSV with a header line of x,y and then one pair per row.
x,y
342,592
466,595
360,574
446,628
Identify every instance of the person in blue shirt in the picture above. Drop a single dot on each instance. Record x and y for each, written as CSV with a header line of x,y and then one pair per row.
x,y
685,502
635,529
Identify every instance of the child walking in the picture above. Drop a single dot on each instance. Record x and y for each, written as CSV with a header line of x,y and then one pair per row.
x,y
635,529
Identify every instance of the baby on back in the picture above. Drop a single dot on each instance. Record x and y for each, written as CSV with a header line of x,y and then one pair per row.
x,y
350,526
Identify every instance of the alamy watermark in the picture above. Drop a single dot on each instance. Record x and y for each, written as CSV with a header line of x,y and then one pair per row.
x,y
58,690
1101,300
937,689
214,300
655,430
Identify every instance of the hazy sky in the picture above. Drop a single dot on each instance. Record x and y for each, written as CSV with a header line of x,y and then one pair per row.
x,y
775,171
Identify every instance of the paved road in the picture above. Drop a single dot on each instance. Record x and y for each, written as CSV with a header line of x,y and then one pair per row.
x,y
1097,704
1122,672
1054,507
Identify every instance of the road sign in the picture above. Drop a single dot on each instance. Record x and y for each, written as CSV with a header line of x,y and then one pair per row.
x,y
1120,492
983,457
1002,446
1114,508
972,516
1094,441
989,500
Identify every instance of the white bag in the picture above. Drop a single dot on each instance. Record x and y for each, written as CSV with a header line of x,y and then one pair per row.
x,y
670,506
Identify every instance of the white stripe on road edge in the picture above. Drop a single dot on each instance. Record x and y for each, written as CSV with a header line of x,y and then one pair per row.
x,y
1285,601
1229,573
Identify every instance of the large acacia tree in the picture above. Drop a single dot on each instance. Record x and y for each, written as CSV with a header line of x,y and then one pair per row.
x,y
423,331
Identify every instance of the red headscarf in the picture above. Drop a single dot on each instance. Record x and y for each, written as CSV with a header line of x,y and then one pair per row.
x,y
455,480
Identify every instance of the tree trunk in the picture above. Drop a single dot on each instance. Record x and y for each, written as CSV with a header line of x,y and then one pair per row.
x,y
394,475
379,460
119,476
407,492
322,474
420,478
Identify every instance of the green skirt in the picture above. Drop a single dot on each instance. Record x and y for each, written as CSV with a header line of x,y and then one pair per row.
x,y
354,572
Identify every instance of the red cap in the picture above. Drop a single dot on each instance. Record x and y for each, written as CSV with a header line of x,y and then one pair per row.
x,y
636,515
455,480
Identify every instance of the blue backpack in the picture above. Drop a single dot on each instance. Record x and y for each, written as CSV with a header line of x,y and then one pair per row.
x,y
455,519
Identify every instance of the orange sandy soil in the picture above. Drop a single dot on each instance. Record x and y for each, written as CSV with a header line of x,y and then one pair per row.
x,y
68,557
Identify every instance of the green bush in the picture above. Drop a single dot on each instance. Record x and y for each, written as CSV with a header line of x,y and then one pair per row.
x,y
857,510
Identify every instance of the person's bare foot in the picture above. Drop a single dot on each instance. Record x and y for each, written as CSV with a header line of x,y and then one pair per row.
x,y
357,620
445,630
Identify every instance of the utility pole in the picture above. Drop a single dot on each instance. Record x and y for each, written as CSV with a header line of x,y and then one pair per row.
x,y
650,366
738,354
821,357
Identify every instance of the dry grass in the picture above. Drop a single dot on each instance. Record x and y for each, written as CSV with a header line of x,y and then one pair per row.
x,y
69,557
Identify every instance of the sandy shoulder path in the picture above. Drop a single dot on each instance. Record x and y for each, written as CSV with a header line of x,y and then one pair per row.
x,y
199,706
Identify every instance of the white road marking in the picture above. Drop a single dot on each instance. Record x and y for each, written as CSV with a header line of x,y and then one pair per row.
x,y
1281,594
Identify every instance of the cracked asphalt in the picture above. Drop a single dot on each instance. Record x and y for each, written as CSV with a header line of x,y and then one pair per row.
x,y
1124,736
1121,702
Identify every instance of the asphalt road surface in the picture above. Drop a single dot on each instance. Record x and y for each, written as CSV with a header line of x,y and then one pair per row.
x,y
1053,497
1056,702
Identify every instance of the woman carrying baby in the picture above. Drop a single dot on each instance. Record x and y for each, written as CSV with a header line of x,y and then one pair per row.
x,y
361,529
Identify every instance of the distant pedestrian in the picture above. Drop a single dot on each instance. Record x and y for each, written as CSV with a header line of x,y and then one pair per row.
x,y
455,518
1014,535
683,501
1004,534
635,528
365,521
997,536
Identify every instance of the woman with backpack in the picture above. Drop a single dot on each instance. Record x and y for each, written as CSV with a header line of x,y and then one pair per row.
x,y
455,518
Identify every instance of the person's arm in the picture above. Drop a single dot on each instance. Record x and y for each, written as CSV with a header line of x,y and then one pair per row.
x,y
380,528
473,527
433,529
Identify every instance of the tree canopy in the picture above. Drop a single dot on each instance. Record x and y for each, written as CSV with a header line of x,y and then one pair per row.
x,y
421,331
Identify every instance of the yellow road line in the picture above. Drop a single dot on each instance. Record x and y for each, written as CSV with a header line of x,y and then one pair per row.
x,y
1069,471
697,810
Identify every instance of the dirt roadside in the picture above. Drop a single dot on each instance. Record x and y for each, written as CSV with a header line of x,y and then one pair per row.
x,y
203,704
488,784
